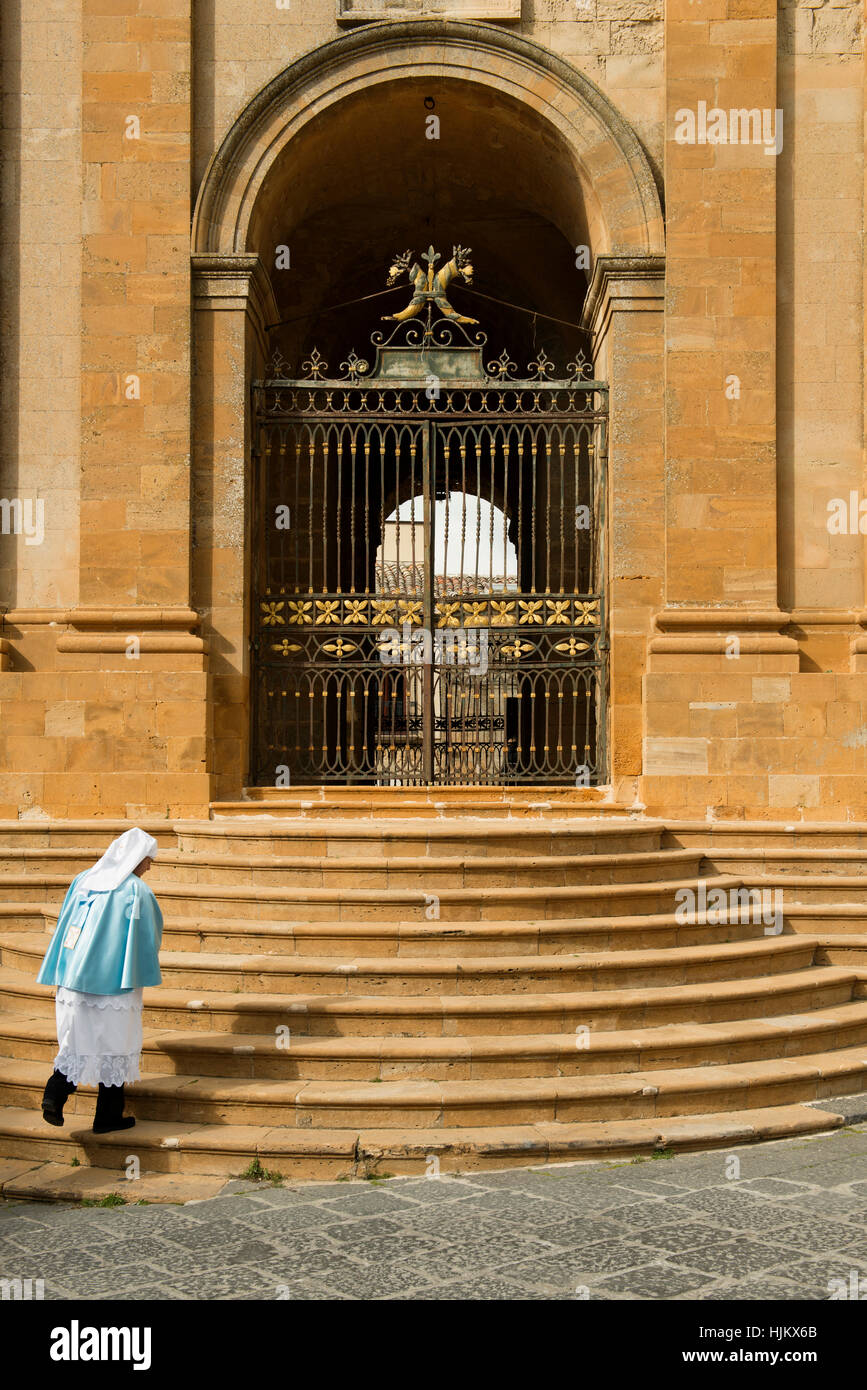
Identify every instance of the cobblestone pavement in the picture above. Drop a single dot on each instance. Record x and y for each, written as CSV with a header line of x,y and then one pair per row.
x,y
689,1227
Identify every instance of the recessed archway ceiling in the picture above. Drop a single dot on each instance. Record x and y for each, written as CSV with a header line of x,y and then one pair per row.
x,y
363,181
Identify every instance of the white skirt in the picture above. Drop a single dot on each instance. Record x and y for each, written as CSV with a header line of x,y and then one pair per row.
x,y
99,1037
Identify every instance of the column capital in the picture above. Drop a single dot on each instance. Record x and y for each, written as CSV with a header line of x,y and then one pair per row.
x,y
234,282
623,282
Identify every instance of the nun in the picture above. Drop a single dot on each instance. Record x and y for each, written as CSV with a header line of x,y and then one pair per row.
x,y
104,951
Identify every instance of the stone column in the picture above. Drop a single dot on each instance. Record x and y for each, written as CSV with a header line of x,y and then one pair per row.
x,y
720,662
233,301
624,312
720,305
124,727
136,66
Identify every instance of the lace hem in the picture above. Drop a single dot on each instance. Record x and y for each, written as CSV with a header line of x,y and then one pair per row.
x,y
128,1001
90,1071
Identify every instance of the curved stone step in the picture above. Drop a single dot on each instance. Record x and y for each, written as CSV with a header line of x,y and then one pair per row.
x,y
459,871
311,871
349,1013
380,838
553,936
409,1103
362,904
431,839
264,1056
168,1149
827,836
93,834
796,888
807,860
407,975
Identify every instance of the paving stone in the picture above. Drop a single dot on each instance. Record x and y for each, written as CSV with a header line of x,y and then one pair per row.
x,y
647,1186
583,1198
306,1217
814,1275
285,1266
852,1108
516,1208
575,1232
658,1280
301,1291
435,1190
140,1221
147,1249
357,1232
54,1292
70,1231
376,1203
735,1257
730,1207
480,1291
474,1254
678,1174
207,1235
774,1187
64,1267
758,1291
562,1270
840,1206
377,1280
840,1172
230,1208
266,1196
393,1248
18,1213
240,1282
57,1241
812,1234
637,1215
107,1281
147,1293
688,1235
464,1235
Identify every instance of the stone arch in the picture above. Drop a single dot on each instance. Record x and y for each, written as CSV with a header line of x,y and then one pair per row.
x,y
624,214
599,189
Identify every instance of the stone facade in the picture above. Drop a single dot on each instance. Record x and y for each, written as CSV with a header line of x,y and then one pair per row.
x,y
155,153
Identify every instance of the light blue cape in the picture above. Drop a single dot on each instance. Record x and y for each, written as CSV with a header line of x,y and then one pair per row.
x,y
116,946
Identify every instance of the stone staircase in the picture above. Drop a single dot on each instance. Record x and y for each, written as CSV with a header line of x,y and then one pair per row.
x,y
345,993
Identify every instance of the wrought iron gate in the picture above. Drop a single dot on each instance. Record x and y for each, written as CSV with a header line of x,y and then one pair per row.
x,y
428,570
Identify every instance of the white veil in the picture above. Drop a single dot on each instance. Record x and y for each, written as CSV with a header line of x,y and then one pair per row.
x,y
122,856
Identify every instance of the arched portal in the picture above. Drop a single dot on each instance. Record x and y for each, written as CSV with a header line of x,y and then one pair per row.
x,y
327,175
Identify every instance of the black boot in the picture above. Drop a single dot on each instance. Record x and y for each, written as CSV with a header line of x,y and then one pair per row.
x,y
109,1110
54,1097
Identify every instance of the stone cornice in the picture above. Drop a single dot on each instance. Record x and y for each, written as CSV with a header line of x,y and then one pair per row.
x,y
109,629
702,631
708,631
119,642
102,617
235,283
622,282
720,619
500,11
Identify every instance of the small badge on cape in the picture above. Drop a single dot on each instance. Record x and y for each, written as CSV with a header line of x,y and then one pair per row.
x,y
71,937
